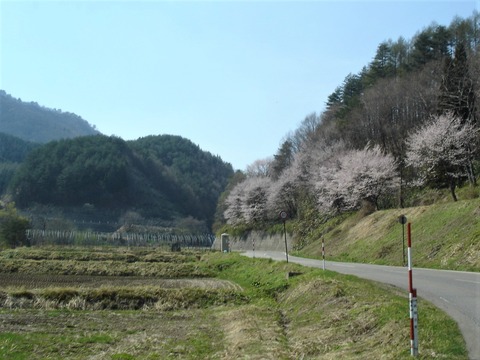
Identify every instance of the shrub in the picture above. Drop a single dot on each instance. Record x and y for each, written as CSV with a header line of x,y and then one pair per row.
x,y
12,227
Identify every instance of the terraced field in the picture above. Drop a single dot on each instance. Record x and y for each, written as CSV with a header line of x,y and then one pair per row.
x,y
119,303
41,281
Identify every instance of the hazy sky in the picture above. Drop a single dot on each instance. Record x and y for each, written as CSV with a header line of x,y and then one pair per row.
x,y
234,77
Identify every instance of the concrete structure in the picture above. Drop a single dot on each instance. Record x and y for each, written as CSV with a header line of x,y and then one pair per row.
x,y
262,241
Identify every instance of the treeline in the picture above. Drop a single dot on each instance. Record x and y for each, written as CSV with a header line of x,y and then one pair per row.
x,y
405,84
409,119
165,177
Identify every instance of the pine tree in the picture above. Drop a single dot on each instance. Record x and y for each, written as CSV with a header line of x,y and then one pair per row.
x,y
282,159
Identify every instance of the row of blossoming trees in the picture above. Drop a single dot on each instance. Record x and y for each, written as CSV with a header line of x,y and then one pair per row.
x,y
339,178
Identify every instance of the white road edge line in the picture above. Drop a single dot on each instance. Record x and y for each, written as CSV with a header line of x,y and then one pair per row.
x,y
348,266
468,281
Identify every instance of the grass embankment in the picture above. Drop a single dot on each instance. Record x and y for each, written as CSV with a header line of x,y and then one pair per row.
x,y
246,309
324,315
445,235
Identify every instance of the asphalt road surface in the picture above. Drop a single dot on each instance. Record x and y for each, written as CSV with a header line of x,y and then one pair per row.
x,y
455,292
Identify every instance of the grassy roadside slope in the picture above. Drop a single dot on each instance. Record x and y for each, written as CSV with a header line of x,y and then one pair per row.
x,y
324,315
445,235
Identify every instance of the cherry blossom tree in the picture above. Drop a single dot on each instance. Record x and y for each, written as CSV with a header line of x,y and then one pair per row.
x,y
233,213
442,151
325,164
356,177
256,195
247,202
341,179
285,192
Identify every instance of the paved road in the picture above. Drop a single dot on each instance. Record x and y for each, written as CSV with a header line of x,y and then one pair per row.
x,y
455,292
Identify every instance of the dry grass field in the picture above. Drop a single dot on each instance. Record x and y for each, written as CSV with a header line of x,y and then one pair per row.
x,y
65,303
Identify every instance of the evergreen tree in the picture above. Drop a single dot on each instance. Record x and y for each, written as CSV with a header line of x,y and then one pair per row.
x,y
383,65
335,98
282,159
430,44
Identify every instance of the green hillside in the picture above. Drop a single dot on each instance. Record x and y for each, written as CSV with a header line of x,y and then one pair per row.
x,y
13,151
160,177
445,235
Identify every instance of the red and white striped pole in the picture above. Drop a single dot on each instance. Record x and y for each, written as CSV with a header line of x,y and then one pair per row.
x,y
412,297
323,253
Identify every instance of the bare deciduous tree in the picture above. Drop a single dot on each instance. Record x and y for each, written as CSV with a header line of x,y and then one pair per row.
x,y
259,167
306,133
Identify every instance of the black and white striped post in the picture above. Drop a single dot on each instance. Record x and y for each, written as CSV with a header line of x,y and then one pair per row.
x,y
323,252
412,296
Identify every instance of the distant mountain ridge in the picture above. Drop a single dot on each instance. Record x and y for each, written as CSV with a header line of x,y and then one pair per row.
x,y
35,123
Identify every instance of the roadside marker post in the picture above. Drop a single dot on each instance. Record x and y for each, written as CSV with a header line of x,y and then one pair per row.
x,y
284,216
403,220
412,297
323,252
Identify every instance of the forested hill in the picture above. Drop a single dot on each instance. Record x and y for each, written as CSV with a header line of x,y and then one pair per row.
x,y
13,151
407,123
201,176
164,177
35,123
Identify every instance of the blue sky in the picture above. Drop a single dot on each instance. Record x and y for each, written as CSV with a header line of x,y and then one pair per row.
x,y
234,77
